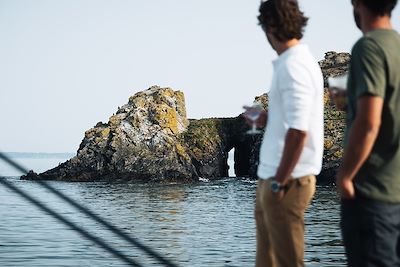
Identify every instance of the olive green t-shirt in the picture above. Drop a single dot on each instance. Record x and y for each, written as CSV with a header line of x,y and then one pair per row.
x,y
375,70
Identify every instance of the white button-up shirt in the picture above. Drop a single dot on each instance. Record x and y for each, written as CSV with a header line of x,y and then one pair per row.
x,y
295,101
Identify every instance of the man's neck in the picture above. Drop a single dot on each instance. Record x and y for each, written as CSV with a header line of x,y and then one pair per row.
x,y
283,46
375,23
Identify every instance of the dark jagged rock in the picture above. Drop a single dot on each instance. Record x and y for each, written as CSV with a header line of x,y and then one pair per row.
x,y
333,64
151,139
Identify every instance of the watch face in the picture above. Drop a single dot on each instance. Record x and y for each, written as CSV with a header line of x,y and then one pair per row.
x,y
275,187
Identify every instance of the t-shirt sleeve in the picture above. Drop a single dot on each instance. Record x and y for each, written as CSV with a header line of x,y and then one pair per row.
x,y
369,61
297,96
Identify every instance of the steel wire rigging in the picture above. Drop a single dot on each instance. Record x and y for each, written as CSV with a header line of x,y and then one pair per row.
x,y
87,212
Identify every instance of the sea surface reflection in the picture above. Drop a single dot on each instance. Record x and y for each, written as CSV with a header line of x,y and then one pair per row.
x,y
202,224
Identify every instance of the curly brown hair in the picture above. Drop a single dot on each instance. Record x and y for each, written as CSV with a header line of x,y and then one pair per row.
x,y
283,19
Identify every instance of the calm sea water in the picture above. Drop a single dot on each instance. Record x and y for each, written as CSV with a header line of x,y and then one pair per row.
x,y
203,224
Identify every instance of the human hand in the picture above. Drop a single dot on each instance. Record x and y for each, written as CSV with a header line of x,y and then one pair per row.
x,y
337,90
345,188
279,195
338,97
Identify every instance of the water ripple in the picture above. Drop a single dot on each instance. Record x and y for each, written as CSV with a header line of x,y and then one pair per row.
x,y
206,224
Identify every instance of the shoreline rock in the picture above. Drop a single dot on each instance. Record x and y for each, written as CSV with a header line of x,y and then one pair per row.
x,y
151,139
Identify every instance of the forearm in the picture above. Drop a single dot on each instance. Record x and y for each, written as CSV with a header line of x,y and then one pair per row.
x,y
362,136
361,140
294,143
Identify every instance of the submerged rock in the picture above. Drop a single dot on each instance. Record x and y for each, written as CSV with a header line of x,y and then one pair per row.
x,y
151,139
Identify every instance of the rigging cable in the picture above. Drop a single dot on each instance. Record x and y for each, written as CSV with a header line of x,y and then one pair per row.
x,y
87,212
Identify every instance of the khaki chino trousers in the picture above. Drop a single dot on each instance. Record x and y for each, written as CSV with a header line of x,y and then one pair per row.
x,y
280,223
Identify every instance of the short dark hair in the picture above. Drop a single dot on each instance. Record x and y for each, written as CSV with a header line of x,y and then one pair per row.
x,y
380,7
283,19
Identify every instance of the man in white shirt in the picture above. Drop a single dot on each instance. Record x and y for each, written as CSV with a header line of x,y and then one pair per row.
x,y
292,147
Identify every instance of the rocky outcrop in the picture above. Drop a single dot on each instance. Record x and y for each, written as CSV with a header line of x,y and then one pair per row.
x,y
247,148
151,139
143,140
333,64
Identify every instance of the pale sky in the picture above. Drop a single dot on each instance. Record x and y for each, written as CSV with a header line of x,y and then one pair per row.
x,y
67,64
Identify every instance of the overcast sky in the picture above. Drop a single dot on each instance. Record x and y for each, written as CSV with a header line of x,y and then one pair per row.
x,y
67,64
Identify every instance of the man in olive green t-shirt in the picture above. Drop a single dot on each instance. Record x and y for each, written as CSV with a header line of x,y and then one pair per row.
x,y
369,177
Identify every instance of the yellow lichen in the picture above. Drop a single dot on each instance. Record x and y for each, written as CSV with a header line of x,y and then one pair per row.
x,y
166,117
328,144
180,104
139,102
326,98
180,150
105,132
330,125
89,134
338,154
114,120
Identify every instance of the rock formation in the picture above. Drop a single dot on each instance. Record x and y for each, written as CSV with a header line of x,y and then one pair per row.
x,y
333,64
143,140
151,139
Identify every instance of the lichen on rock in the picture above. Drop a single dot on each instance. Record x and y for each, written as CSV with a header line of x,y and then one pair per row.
x,y
333,64
151,139
141,141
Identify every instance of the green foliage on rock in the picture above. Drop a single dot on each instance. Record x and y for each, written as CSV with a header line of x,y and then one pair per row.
x,y
150,138
203,136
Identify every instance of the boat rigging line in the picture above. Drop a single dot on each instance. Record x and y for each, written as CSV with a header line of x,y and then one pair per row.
x,y
88,213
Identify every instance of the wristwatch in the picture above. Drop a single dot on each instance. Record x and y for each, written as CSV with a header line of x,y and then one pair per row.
x,y
276,186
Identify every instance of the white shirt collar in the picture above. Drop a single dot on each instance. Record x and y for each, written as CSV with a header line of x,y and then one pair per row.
x,y
291,50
